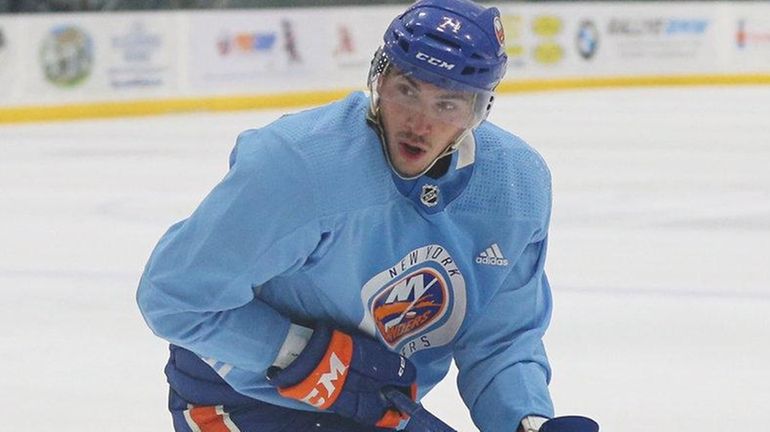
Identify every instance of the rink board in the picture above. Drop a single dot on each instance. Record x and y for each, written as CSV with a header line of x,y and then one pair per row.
x,y
61,66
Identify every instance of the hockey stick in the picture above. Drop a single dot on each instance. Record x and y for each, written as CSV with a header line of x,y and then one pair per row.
x,y
420,419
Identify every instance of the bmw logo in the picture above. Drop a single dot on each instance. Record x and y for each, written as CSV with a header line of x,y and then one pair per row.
x,y
587,40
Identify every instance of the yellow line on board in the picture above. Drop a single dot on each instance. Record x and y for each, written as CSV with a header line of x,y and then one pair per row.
x,y
630,81
165,106
311,98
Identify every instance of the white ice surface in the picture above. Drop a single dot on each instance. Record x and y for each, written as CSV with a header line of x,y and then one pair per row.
x,y
658,258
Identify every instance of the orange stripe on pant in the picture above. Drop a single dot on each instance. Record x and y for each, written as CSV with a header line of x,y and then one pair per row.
x,y
210,419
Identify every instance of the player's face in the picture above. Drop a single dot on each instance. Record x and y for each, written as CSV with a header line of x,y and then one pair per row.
x,y
420,120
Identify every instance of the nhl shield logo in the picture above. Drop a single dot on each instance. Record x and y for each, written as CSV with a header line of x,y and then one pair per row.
x,y
429,195
410,304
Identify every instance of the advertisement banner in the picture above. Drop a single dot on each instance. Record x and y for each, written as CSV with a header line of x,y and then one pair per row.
x,y
9,47
660,42
599,39
749,36
96,57
140,55
244,50
61,60
536,40
68,58
275,51
355,38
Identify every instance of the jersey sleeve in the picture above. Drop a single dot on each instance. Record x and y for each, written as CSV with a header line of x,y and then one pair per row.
x,y
503,368
198,288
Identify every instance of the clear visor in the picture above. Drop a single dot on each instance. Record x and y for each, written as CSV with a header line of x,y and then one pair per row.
x,y
454,105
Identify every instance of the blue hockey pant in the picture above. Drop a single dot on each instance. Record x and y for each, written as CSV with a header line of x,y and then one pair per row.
x,y
201,401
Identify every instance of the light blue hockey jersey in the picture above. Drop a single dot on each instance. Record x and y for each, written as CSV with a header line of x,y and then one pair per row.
x,y
310,225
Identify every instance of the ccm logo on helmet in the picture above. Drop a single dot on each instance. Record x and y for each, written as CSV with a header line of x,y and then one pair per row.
x,y
434,61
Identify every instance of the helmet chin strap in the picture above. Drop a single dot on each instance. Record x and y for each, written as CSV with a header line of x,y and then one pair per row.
x,y
373,117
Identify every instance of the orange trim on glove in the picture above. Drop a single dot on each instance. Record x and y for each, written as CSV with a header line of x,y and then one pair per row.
x,y
209,419
322,387
392,418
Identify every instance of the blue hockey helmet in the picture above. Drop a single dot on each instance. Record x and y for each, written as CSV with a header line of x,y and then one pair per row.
x,y
449,43
453,44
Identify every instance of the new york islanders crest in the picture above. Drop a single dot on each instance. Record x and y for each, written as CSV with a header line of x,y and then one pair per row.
x,y
417,303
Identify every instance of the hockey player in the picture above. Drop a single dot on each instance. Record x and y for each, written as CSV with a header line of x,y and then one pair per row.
x,y
363,245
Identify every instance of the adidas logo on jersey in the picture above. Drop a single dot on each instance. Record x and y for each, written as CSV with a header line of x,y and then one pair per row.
x,y
492,256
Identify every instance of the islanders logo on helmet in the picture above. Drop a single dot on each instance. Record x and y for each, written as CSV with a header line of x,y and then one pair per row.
x,y
499,31
409,305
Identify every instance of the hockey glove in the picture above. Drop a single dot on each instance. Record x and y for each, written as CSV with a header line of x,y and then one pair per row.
x,y
346,374
570,424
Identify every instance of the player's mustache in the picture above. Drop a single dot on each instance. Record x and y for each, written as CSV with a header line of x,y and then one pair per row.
x,y
411,137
